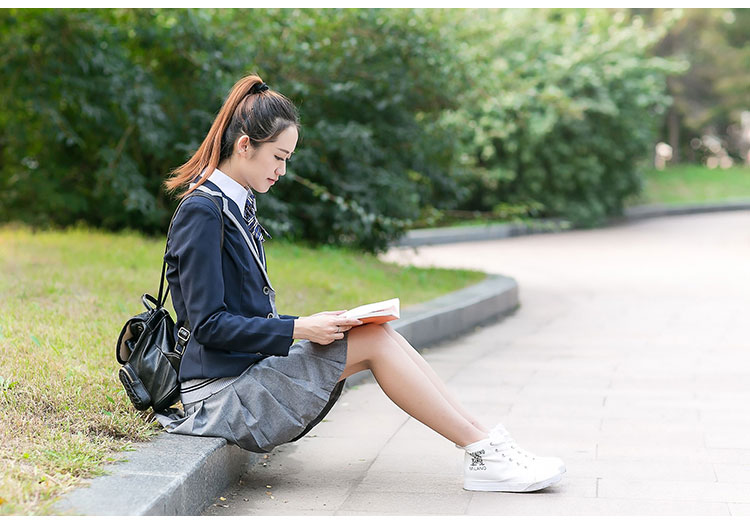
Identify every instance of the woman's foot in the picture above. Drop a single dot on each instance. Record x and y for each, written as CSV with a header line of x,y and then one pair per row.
x,y
496,463
499,433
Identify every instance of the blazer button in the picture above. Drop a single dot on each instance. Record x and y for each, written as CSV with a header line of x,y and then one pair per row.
x,y
270,316
266,290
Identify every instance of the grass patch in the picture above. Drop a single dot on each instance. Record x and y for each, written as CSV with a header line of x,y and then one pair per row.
x,y
64,296
681,184
311,280
688,184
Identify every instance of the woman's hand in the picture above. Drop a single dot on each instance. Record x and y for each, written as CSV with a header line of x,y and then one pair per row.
x,y
324,327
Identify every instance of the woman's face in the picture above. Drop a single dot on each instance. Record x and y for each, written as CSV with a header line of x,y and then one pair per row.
x,y
263,165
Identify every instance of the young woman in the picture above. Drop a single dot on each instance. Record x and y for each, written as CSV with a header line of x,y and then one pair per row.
x,y
243,377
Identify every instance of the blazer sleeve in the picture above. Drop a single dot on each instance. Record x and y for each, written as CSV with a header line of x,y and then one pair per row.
x,y
195,244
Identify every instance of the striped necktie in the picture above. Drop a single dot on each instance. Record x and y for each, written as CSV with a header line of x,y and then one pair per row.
x,y
256,229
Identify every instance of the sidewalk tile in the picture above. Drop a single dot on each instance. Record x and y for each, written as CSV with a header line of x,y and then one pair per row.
x,y
451,502
647,452
636,381
294,492
646,436
499,393
738,439
728,455
625,425
536,504
732,473
334,451
642,470
408,462
655,413
551,399
540,409
420,482
675,490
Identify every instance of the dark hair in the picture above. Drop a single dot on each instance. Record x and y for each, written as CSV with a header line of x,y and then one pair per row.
x,y
250,109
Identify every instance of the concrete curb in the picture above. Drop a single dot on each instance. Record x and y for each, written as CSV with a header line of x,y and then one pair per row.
x,y
660,210
181,475
428,236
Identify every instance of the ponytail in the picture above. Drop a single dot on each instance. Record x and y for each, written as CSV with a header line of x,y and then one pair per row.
x,y
250,109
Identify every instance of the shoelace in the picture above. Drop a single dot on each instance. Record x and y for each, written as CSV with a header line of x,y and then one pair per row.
x,y
499,436
508,451
500,432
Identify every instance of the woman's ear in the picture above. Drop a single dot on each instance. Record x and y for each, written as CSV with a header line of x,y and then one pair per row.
x,y
243,145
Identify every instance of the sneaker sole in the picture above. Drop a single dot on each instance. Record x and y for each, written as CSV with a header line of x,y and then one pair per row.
x,y
504,486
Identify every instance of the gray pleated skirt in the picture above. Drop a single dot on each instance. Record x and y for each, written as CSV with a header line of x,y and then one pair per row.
x,y
274,401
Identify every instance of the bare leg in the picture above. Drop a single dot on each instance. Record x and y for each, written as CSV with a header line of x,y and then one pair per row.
x,y
403,381
430,373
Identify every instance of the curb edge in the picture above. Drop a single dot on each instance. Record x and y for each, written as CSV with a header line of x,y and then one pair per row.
x,y
450,235
180,475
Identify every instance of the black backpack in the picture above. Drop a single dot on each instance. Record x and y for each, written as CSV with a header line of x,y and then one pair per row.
x,y
147,348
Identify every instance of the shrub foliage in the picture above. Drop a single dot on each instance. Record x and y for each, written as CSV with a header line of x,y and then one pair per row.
x,y
562,108
405,112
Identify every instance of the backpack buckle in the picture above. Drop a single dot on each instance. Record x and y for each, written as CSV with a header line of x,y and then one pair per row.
x,y
183,336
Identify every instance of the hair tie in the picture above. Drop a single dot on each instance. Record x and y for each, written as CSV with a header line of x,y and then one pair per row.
x,y
258,88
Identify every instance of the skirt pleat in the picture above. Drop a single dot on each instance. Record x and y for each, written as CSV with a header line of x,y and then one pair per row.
x,y
276,400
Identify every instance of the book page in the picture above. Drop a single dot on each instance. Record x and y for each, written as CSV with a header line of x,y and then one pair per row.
x,y
389,308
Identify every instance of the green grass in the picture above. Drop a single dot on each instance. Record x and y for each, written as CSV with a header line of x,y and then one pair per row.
x,y
688,184
64,295
681,184
312,280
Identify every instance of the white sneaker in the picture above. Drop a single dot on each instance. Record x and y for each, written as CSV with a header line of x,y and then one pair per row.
x,y
495,464
499,433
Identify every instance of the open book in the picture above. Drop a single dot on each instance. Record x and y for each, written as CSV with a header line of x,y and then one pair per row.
x,y
377,313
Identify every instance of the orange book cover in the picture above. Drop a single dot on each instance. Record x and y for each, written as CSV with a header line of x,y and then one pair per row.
x,y
379,319
376,313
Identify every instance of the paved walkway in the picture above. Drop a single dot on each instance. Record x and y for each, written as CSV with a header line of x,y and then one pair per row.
x,y
628,358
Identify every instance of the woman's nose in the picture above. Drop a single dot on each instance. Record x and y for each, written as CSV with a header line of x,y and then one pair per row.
x,y
281,171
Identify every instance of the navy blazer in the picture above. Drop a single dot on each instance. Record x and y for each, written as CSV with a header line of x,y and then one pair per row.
x,y
224,293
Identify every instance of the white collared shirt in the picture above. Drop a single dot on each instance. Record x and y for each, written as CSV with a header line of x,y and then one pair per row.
x,y
237,192
231,188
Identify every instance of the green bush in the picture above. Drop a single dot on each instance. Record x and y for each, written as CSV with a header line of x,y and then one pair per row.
x,y
562,106
405,113
366,81
95,111
101,104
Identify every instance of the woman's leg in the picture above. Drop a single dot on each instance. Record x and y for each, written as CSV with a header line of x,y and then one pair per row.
x,y
430,373
404,382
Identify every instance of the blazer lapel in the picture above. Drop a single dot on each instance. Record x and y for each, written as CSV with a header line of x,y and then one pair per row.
x,y
232,212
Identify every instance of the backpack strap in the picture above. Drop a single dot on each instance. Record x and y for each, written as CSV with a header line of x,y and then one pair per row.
x,y
163,299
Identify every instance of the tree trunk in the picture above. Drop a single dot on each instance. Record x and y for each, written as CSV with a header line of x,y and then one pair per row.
x,y
673,123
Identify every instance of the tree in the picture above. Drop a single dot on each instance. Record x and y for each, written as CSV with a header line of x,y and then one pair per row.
x,y
95,112
561,106
711,94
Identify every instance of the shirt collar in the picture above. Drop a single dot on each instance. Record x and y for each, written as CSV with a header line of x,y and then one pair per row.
x,y
231,188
